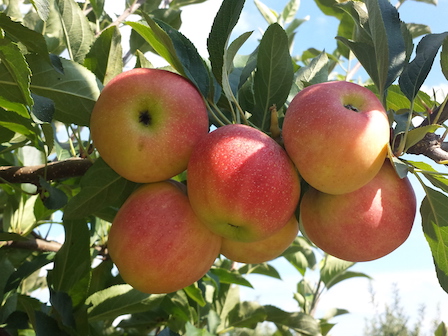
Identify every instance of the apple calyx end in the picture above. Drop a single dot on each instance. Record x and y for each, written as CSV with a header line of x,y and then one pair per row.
x,y
351,108
145,118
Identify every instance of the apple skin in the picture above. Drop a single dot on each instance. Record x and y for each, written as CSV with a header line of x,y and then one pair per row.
x,y
336,149
241,183
363,225
263,250
146,122
157,242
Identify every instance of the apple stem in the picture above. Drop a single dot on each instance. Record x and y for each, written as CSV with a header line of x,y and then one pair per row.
x,y
276,132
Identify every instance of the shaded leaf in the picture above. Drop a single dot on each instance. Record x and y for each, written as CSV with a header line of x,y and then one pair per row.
x,y
230,277
300,322
434,212
53,198
273,76
417,134
218,39
313,73
444,58
264,269
72,261
192,64
100,187
42,8
31,39
390,49
246,315
416,72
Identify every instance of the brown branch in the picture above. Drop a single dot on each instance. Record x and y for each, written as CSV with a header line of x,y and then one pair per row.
x,y
36,244
52,171
432,147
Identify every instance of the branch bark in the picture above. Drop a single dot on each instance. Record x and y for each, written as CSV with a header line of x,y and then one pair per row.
x,y
432,147
36,244
52,171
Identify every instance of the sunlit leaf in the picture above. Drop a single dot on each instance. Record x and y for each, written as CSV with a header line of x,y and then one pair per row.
x,y
298,321
264,269
268,14
105,57
76,28
230,277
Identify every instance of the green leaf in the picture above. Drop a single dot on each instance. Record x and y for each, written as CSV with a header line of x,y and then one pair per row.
x,y
313,73
15,64
7,270
195,293
300,322
74,92
417,29
441,330
142,61
98,7
46,325
390,48
289,11
432,175
7,236
54,198
160,41
417,134
191,330
246,315
105,57
218,39
268,14
301,255
444,58
27,268
17,123
42,8
230,277
31,39
273,76
192,64
76,28
264,269
100,187
119,300
416,72
72,261
183,3
43,109
63,308
434,212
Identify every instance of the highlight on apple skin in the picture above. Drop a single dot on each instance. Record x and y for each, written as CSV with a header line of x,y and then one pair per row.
x,y
336,133
363,225
241,183
146,122
157,242
263,250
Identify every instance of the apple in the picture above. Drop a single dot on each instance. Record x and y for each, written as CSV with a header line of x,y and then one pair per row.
x,y
263,250
241,183
146,122
157,242
365,224
337,134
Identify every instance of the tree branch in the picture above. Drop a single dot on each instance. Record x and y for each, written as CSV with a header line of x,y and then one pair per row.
x,y
36,244
52,171
432,147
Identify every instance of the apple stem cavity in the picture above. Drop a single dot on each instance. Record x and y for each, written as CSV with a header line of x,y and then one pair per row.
x,y
145,118
351,108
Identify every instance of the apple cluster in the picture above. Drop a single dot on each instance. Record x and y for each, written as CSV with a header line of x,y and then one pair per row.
x,y
243,189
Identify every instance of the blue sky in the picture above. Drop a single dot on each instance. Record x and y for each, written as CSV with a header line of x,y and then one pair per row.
x,y
410,267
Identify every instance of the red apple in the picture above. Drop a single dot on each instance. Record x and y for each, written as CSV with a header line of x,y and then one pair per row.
x,y
263,250
146,122
241,183
365,224
157,242
336,133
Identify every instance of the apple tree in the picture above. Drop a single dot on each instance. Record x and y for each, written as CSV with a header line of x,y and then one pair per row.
x,y
56,56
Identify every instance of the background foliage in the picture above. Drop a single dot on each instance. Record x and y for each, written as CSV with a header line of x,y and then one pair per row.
x,y
56,56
